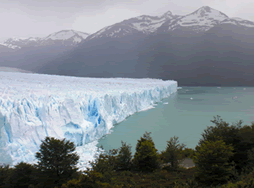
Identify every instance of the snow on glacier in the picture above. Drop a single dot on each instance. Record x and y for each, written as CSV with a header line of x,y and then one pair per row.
x,y
33,106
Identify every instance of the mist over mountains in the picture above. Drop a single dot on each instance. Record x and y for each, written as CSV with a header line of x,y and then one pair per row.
x,y
203,48
31,52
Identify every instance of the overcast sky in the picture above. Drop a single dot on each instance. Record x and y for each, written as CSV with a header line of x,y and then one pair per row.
x,y
25,18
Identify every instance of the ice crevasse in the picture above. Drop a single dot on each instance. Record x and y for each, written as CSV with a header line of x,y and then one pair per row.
x,y
33,106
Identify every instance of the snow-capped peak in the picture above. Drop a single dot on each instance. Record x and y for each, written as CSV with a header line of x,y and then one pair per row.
x,y
16,39
65,35
144,18
9,45
200,20
206,11
167,15
82,34
34,38
144,24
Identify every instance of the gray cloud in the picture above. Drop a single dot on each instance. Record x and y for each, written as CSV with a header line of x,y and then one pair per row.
x,y
24,18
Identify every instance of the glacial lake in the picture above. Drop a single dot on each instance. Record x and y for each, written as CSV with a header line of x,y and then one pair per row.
x,y
184,114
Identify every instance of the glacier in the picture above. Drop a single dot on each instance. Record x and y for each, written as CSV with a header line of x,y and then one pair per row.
x,y
33,106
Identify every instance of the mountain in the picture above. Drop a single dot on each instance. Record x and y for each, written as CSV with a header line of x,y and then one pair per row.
x,y
32,52
201,20
205,47
142,24
64,37
4,49
238,22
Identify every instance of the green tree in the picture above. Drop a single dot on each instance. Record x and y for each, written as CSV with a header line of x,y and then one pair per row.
x,y
104,161
5,172
23,175
230,134
124,157
173,152
103,166
188,153
243,147
146,157
56,161
212,162
249,167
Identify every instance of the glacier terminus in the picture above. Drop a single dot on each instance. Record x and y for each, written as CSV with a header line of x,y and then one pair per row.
x,y
33,106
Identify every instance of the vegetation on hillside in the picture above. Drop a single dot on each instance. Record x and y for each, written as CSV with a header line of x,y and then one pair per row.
x,y
224,157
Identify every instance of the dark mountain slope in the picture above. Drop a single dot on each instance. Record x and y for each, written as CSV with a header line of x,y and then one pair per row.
x,y
220,56
101,58
205,48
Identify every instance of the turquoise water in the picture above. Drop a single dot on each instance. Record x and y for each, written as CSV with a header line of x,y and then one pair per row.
x,y
184,114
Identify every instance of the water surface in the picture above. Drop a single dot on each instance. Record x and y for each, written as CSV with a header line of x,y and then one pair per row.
x,y
184,114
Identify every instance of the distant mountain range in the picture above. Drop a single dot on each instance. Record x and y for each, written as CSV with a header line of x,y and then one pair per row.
x,y
205,48
199,21
32,52
64,37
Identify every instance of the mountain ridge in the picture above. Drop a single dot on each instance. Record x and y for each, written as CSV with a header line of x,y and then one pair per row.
x,y
66,37
199,20
213,50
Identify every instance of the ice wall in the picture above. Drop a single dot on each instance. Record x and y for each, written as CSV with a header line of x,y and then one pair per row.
x,y
34,106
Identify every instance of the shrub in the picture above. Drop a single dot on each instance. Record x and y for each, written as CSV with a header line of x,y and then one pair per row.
x,y
212,163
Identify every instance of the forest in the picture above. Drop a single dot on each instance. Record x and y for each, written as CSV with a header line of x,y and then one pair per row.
x,y
223,158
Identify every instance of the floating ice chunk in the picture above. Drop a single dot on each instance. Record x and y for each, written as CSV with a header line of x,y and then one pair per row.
x,y
145,109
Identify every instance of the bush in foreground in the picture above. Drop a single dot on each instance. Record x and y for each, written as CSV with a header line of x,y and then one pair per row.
x,y
173,153
212,163
146,158
56,161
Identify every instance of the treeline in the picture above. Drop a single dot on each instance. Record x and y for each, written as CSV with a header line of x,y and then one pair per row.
x,y
224,157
